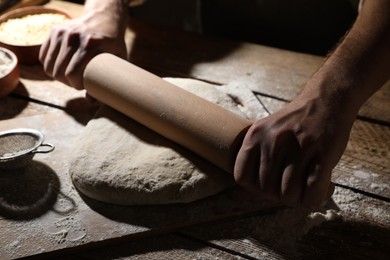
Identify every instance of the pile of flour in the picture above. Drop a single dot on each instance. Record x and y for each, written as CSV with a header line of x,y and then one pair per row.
x,y
5,63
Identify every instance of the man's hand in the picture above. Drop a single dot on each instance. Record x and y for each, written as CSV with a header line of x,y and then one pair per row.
x,y
289,155
70,46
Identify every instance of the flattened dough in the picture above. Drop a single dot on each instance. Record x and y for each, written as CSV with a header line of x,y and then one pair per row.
x,y
117,160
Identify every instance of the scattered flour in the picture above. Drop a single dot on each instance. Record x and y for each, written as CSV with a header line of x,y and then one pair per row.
x,y
317,218
362,174
287,226
380,187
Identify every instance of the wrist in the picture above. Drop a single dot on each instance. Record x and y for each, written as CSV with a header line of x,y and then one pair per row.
x,y
110,15
335,91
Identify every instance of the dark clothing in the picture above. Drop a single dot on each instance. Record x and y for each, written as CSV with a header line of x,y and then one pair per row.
x,y
312,26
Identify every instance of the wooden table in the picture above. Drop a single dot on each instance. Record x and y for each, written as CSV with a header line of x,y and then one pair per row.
x,y
59,222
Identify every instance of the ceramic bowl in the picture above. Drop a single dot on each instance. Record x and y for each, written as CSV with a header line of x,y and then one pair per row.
x,y
27,53
9,72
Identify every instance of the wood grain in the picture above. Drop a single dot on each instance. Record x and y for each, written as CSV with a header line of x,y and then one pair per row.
x,y
160,247
362,232
273,72
365,164
74,223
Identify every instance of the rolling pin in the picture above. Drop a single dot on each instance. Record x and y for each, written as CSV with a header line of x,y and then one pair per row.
x,y
204,128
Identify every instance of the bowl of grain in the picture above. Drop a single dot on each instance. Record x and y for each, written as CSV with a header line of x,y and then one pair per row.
x,y
9,72
23,30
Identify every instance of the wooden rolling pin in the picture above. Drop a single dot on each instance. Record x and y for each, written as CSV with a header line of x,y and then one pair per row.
x,y
204,128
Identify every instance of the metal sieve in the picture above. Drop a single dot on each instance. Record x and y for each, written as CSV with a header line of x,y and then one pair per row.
x,y
18,147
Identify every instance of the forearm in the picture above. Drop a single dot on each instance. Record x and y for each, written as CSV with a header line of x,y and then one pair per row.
x,y
113,13
108,5
360,65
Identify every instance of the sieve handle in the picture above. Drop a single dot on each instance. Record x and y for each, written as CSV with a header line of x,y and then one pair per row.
x,y
48,149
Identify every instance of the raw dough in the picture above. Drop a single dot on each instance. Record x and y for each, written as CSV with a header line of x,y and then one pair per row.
x,y
119,161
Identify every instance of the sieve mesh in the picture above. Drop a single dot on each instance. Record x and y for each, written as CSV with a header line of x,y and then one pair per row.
x,y
15,144
18,146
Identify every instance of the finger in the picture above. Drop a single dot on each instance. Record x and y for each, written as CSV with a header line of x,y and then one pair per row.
x,y
273,163
291,189
44,49
70,44
271,170
317,185
246,167
75,69
294,175
52,52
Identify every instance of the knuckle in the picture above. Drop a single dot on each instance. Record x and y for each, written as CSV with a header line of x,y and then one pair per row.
x,y
254,131
90,41
57,31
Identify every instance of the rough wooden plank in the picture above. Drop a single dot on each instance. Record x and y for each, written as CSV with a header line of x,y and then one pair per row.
x,y
359,231
266,70
378,106
271,104
161,247
365,164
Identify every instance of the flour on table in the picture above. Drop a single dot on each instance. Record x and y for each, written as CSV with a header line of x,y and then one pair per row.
x,y
119,161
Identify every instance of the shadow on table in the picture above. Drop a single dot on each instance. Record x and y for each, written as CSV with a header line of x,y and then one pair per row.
x,y
272,234
345,240
349,239
12,105
81,110
29,192
34,72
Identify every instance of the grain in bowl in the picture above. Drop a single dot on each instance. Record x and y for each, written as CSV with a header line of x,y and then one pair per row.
x,y
29,29
23,30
